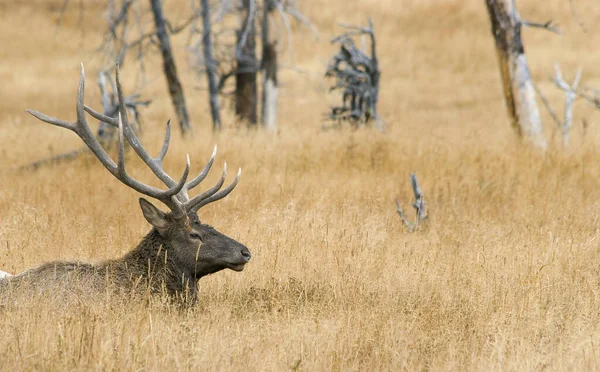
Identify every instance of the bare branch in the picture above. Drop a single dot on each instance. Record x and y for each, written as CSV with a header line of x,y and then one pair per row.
x,y
402,215
547,106
302,19
226,7
121,17
359,29
183,25
288,29
571,93
549,26
247,28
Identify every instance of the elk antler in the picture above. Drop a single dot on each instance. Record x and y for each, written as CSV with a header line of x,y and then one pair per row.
x,y
176,196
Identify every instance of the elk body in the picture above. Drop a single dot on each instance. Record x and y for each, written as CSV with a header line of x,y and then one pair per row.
x,y
177,252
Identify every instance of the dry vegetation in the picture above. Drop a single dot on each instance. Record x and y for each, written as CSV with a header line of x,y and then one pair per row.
x,y
506,276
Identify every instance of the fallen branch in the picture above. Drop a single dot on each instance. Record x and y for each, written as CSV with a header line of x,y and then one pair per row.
x,y
54,159
547,105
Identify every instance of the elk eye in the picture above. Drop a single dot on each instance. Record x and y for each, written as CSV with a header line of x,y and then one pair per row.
x,y
195,236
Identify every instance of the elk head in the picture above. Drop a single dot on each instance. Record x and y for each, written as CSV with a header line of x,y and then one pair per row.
x,y
197,248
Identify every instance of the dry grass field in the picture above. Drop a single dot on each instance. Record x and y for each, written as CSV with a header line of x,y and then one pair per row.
x,y
505,276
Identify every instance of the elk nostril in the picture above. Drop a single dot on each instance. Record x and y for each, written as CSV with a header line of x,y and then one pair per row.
x,y
246,255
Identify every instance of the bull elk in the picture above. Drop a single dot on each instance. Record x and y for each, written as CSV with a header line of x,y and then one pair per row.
x,y
179,250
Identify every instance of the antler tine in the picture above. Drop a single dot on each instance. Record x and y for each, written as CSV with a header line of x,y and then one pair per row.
x,y
121,150
199,178
221,194
99,116
208,193
165,147
54,121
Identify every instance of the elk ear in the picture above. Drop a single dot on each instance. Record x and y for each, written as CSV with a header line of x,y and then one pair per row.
x,y
153,215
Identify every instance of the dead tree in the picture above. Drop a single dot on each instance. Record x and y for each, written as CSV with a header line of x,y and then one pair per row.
x,y
419,205
357,75
269,65
519,91
209,60
247,65
233,55
169,67
572,92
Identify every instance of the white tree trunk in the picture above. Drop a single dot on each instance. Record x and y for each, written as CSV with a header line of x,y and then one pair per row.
x,y
518,87
269,109
528,114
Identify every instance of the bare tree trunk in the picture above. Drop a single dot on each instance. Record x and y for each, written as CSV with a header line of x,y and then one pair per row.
x,y
209,61
269,66
519,91
175,88
245,82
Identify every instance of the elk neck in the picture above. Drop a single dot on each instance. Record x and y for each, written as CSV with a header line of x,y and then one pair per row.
x,y
153,259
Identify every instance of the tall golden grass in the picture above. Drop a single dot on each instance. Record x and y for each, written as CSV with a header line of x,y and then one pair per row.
x,y
506,274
